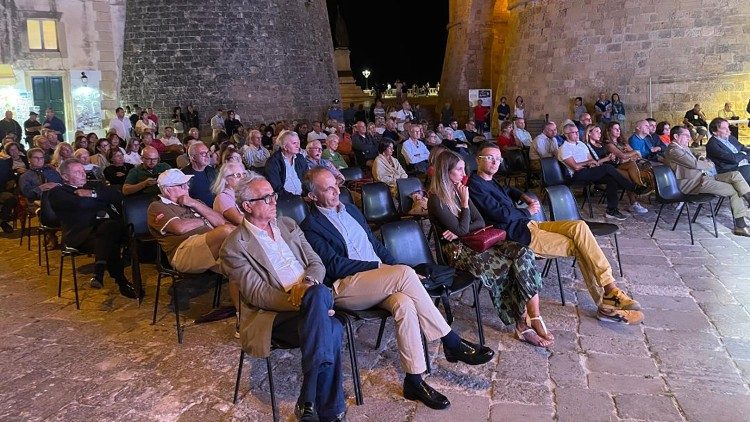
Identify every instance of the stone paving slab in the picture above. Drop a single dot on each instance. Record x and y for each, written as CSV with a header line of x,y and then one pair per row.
x,y
689,361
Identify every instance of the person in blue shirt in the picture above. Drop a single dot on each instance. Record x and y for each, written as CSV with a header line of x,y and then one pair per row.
x,y
641,142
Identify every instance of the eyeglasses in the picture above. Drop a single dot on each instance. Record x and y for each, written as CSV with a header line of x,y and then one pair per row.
x,y
491,158
271,197
570,133
315,149
201,154
150,159
239,175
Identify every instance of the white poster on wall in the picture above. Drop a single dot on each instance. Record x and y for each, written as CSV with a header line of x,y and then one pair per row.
x,y
87,100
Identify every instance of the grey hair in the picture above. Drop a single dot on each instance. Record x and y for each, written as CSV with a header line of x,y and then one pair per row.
x,y
193,146
332,136
313,142
284,135
66,164
221,182
308,183
244,191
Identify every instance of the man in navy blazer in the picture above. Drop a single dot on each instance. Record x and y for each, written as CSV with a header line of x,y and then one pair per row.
x,y
363,274
726,151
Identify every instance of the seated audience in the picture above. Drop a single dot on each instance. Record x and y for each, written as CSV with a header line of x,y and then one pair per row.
x,y
505,138
698,175
118,170
315,159
583,168
726,152
91,222
286,167
39,178
695,122
550,238
141,179
292,306
386,167
133,152
390,130
331,152
203,173
629,162
432,140
507,269
19,162
94,173
171,142
415,152
641,141
254,153
8,199
316,132
363,274
190,232
662,133
543,146
223,189
520,133
102,152
364,145
63,152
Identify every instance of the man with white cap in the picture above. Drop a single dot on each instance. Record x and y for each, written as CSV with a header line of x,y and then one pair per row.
x,y
189,231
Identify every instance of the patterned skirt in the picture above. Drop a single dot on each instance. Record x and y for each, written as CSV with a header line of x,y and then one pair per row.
x,y
507,270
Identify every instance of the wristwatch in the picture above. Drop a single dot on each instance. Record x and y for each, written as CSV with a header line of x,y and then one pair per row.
x,y
93,193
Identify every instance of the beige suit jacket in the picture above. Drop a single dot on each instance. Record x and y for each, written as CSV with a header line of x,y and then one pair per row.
x,y
262,296
688,169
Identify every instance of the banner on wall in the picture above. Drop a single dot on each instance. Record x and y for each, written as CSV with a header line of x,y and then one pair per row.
x,y
87,100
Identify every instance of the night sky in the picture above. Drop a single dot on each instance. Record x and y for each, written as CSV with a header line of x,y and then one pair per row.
x,y
402,39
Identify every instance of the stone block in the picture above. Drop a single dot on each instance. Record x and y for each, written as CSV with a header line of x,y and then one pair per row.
x,y
644,384
576,404
566,370
620,364
513,411
651,407
463,407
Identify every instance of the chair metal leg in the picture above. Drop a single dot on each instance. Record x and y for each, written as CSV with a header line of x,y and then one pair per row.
x,y
380,333
713,219
39,246
269,368
559,282
426,353
690,223
679,214
239,376
719,203
478,311
358,397
617,251
156,298
46,255
75,279
697,211
657,219
588,198
217,291
546,267
59,280
176,310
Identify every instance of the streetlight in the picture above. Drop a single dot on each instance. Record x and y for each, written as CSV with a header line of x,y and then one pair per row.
x,y
366,73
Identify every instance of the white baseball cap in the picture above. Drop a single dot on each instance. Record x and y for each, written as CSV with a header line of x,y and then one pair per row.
x,y
173,177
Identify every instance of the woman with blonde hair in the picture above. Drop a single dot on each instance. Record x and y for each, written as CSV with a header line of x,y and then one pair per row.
x,y
223,187
507,269
63,151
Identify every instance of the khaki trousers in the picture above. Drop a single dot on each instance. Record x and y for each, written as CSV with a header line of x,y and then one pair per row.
x,y
574,238
397,289
730,184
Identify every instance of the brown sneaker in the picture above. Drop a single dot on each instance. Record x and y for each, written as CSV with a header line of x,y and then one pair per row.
x,y
618,316
619,300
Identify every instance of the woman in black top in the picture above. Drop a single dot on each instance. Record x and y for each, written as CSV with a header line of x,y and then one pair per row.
x,y
116,172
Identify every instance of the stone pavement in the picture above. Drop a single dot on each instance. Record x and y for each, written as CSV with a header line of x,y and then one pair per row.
x,y
690,360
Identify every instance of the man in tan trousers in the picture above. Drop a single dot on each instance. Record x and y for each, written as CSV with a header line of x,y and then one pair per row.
x,y
363,274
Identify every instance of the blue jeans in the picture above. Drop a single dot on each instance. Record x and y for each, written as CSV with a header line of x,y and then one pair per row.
x,y
319,339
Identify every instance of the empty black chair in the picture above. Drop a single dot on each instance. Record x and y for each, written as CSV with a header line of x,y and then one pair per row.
x,y
377,203
564,207
135,215
515,168
408,245
72,253
405,188
552,175
294,208
668,192
345,195
352,173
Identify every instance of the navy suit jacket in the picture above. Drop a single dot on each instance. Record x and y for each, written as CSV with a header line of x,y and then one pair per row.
x,y
725,159
329,244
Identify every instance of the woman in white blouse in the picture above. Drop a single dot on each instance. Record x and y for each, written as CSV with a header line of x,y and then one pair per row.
x,y
386,167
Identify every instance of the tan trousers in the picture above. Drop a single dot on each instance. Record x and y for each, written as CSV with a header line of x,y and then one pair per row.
x,y
730,184
397,289
574,238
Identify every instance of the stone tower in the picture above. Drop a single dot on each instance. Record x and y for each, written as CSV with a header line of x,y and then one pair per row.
x,y
267,59
552,51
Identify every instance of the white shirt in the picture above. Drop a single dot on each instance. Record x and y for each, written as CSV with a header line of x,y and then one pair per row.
x,y
316,136
401,116
414,152
292,184
254,156
286,267
133,158
170,141
121,127
578,151
543,147
523,136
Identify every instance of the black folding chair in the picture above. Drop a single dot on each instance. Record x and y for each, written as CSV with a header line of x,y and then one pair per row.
x,y
48,224
135,215
377,204
563,207
552,175
294,208
515,168
668,192
352,173
345,195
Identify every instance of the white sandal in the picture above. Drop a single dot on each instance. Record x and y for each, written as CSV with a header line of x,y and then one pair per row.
x,y
539,318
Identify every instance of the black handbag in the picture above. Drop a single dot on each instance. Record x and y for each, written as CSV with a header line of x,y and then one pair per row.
x,y
435,275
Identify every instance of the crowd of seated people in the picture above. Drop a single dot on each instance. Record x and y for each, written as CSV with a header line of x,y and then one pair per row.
x,y
216,211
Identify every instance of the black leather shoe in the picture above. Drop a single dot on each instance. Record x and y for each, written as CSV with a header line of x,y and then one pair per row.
x,y
128,290
95,283
305,412
426,394
470,353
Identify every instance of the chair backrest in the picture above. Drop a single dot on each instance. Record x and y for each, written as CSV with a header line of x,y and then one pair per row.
x,y
47,216
377,203
470,163
540,216
405,240
514,161
294,208
563,205
405,188
345,195
551,172
666,184
134,210
352,173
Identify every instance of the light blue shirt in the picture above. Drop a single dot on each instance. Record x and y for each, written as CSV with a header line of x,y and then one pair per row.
x,y
459,134
732,148
292,184
414,153
358,246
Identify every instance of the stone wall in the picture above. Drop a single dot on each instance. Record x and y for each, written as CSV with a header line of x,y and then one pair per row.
x,y
267,59
692,51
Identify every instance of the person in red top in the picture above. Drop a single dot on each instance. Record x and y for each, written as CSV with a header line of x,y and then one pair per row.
x,y
481,112
506,140
148,140
154,118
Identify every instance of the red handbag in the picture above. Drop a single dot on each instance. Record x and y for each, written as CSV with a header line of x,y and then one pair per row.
x,y
483,239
